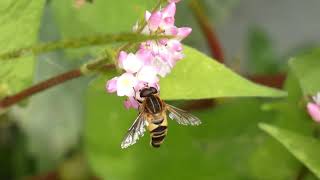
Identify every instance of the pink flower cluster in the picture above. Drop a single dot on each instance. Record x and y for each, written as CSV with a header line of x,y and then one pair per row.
x,y
314,108
153,59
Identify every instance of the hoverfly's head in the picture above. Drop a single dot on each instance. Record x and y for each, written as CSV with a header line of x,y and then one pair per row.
x,y
146,92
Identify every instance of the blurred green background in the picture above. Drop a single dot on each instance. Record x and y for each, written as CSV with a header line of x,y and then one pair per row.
x,y
74,132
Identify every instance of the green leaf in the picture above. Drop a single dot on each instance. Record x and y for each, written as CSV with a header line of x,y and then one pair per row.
x,y
98,17
304,148
198,76
19,27
307,69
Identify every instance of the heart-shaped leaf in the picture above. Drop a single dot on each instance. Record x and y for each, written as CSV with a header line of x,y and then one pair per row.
x,y
198,76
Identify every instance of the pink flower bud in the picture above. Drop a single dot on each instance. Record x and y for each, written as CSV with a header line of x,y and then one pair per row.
x,y
169,10
183,32
173,1
112,85
314,111
122,56
154,20
79,3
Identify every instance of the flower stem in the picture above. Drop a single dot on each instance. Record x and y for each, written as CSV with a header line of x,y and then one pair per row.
x,y
10,100
77,43
54,81
142,24
208,30
275,81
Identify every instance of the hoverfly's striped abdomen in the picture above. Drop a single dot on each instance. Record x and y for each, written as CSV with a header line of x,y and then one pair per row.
x,y
158,135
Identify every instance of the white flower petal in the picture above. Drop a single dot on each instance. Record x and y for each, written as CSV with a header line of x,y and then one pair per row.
x,y
125,84
162,67
148,74
132,63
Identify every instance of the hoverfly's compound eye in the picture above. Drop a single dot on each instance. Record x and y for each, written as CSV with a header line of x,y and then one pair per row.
x,y
146,92
153,90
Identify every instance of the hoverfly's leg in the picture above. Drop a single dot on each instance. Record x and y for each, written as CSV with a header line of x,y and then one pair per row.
x,y
135,96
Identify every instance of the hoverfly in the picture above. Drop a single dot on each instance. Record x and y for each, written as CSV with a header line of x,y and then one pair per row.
x,y
153,115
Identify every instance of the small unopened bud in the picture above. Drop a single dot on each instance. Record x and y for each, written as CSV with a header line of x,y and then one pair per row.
x,y
314,108
80,3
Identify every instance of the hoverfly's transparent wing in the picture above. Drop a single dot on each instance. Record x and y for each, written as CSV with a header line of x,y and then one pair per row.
x,y
182,116
135,132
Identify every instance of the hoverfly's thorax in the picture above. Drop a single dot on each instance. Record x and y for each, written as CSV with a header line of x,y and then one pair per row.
x,y
153,105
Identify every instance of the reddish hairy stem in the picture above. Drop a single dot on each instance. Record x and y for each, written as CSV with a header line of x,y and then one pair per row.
x,y
10,100
49,176
54,175
208,30
198,104
275,81
44,85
